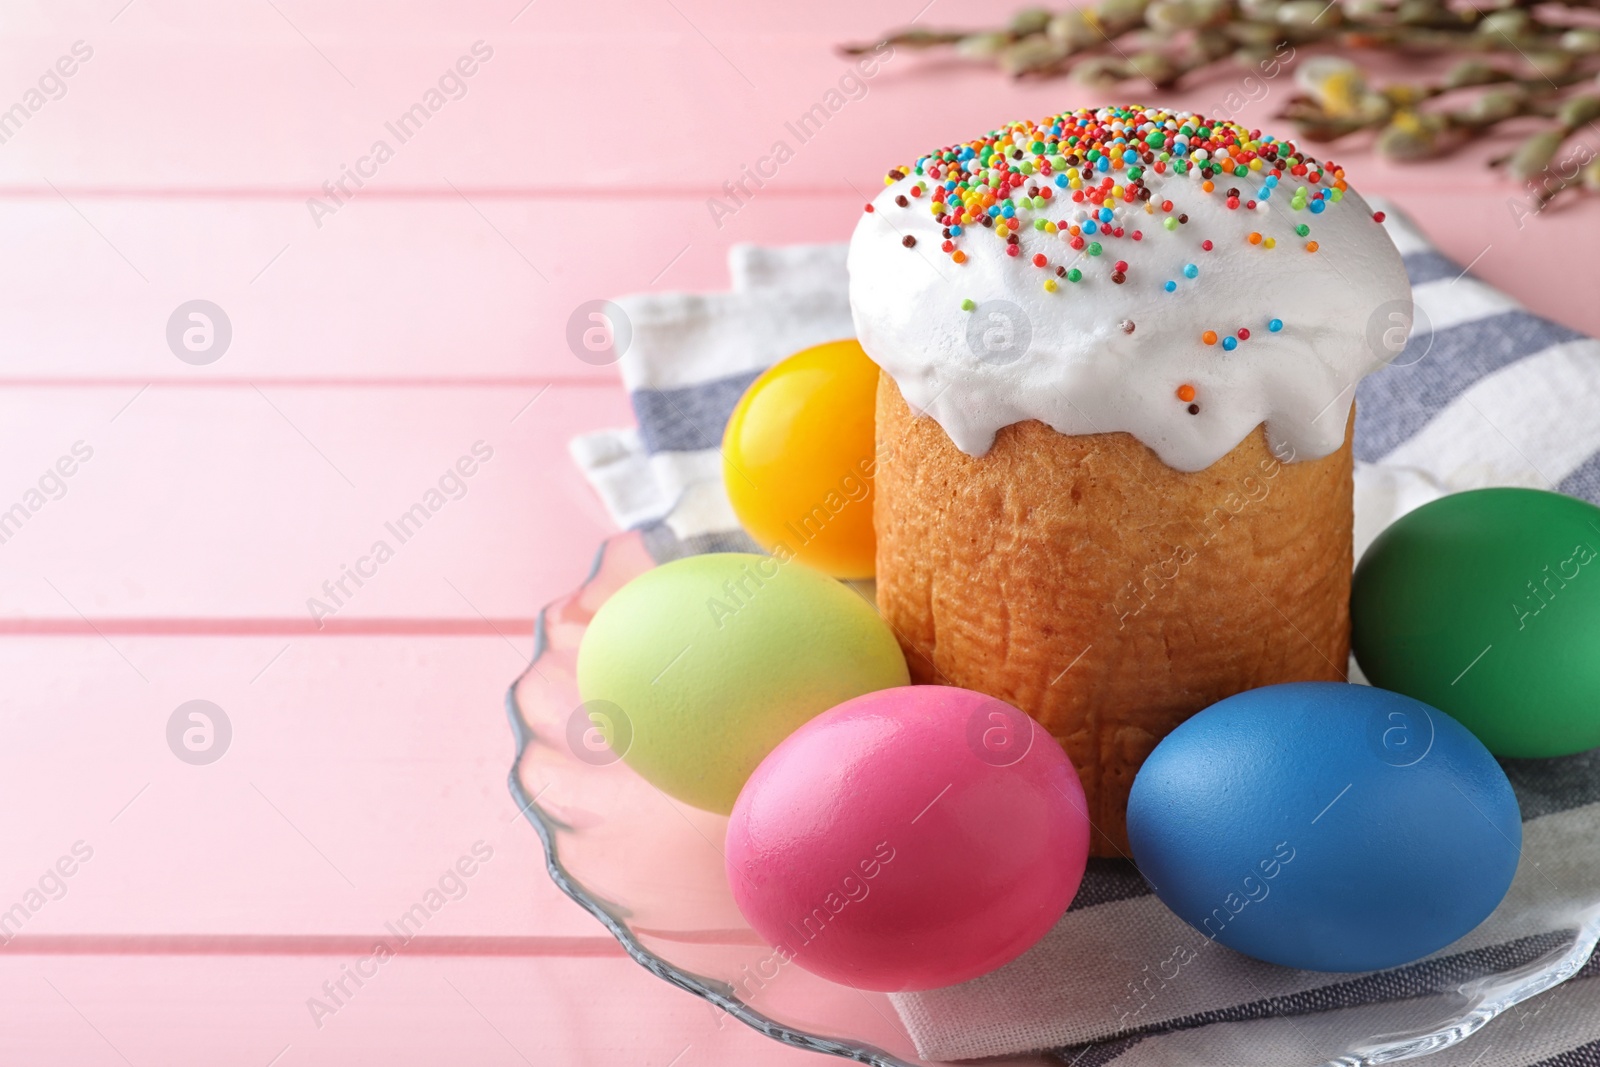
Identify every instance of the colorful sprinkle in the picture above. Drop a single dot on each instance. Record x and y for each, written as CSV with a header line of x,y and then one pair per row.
x,y
1080,173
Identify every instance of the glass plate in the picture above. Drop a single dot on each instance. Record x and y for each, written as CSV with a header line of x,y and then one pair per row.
x,y
650,870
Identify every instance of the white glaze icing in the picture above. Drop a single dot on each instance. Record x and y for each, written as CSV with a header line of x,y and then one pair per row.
x,y
1343,309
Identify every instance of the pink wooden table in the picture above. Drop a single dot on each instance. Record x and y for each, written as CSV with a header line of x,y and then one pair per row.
x,y
376,339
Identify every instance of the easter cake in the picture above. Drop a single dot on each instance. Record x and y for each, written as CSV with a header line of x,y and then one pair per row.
x,y
1119,350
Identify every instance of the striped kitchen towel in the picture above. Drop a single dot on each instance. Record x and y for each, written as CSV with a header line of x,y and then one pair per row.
x,y
1484,394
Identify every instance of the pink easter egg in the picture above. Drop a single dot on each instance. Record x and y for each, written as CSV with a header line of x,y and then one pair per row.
x,y
907,839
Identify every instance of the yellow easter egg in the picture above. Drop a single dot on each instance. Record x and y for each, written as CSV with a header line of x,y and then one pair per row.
x,y
798,458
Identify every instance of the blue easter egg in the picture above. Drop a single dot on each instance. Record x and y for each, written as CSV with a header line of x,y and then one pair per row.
x,y
1325,826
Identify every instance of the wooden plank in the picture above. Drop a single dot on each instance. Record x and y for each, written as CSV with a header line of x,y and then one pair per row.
x,y
281,101
359,772
419,291
243,504
429,291
115,1010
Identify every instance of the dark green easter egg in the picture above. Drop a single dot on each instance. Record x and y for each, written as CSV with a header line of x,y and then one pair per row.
x,y
1486,604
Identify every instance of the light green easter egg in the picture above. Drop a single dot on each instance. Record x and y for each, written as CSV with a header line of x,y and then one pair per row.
x,y
712,660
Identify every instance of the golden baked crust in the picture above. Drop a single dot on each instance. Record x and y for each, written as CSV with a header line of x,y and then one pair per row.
x,y
1106,594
